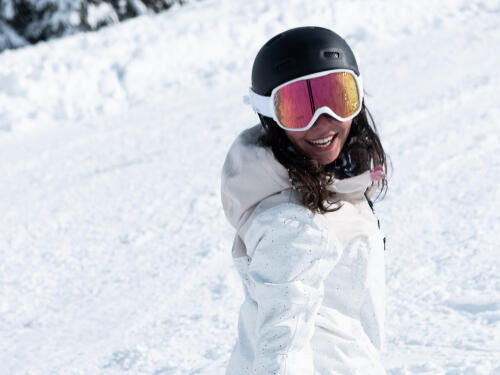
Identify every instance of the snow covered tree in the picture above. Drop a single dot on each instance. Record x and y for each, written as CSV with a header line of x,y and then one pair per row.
x,y
9,38
159,5
96,14
129,8
43,19
7,10
29,21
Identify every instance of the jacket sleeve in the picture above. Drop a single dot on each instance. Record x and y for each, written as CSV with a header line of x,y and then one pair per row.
x,y
292,255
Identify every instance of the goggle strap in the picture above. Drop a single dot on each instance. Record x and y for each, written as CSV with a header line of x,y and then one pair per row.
x,y
261,104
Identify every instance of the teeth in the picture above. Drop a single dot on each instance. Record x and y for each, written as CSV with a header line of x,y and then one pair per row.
x,y
323,141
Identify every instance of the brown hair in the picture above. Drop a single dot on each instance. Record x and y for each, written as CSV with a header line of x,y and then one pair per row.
x,y
362,149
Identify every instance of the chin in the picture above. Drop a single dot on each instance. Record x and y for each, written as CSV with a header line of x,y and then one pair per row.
x,y
325,160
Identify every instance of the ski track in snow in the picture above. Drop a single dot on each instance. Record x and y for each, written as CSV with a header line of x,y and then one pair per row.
x,y
115,250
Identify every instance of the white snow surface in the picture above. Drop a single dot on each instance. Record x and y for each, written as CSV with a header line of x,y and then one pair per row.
x,y
115,255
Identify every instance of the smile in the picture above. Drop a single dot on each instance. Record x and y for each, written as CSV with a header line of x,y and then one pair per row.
x,y
324,142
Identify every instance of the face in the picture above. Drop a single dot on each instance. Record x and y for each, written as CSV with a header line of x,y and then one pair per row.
x,y
317,142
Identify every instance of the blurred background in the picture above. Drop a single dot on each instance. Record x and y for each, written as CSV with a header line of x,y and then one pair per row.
x,y
24,22
115,118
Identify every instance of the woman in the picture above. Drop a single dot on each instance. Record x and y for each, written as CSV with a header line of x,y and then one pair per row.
x,y
297,188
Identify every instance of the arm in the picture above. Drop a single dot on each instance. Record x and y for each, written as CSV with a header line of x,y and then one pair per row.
x,y
291,257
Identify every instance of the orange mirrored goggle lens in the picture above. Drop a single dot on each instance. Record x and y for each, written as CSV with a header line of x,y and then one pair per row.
x,y
296,102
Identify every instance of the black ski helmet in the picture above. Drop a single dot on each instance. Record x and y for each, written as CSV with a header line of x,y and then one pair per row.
x,y
298,52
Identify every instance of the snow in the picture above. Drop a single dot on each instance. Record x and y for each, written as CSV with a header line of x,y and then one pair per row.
x,y
101,13
115,250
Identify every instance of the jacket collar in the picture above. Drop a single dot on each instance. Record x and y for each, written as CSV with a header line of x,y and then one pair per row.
x,y
251,173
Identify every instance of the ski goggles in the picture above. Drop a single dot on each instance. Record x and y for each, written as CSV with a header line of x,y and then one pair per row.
x,y
295,105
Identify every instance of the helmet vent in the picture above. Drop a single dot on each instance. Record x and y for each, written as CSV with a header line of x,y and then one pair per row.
x,y
331,54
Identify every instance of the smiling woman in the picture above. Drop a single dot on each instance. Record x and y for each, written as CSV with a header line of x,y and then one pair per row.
x,y
324,141
297,189
354,149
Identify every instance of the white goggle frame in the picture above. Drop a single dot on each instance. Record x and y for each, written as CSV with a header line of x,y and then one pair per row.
x,y
264,104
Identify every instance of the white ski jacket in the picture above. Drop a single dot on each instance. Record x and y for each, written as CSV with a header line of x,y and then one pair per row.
x,y
314,284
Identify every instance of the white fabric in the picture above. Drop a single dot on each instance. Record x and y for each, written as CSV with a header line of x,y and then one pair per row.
x,y
314,284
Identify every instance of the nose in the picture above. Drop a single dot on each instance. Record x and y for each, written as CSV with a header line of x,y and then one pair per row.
x,y
324,121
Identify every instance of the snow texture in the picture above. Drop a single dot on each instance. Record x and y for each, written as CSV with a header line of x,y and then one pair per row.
x,y
115,253
100,15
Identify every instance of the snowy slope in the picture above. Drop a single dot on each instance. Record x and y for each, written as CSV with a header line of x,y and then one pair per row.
x,y
115,253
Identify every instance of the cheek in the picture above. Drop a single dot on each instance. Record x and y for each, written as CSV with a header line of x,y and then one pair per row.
x,y
345,132
297,140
